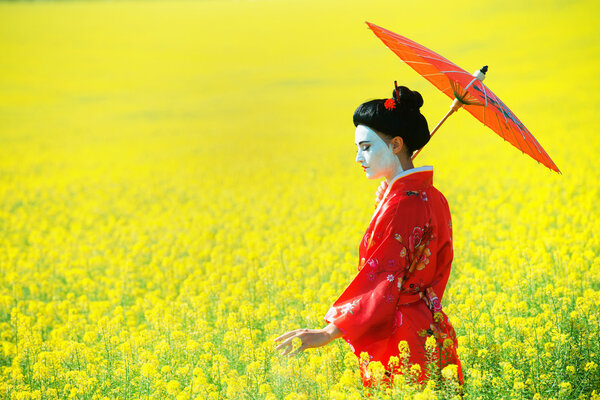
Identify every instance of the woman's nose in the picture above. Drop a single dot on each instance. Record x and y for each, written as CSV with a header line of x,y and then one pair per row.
x,y
359,157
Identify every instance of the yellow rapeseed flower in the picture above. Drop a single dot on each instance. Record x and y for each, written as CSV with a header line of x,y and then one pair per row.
x,y
376,369
450,372
590,366
518,385
430,344
403,348
415,371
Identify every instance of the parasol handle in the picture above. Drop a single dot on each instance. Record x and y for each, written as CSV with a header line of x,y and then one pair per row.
x,y
456,104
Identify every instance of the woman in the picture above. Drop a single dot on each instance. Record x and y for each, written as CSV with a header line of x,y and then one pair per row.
x,y
404,256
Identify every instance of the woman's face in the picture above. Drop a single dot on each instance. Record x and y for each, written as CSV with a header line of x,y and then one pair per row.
x,y
375,156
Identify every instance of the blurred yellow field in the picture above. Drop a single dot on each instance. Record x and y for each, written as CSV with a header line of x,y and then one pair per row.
x,y
178,187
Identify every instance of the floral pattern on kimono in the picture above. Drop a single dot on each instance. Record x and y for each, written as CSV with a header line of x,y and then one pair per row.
x,y
406,249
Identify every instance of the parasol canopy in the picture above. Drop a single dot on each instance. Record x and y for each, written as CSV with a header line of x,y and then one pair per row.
x,y
467,91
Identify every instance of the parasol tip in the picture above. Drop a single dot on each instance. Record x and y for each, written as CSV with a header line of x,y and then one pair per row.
x,y
480,73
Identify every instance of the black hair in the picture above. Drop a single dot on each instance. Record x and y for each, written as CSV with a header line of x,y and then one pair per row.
x,y
400,117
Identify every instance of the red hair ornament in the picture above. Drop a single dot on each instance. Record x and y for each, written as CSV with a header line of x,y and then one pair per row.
x,y
390,104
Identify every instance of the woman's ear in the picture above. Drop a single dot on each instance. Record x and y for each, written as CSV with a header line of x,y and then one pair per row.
x,y
397,144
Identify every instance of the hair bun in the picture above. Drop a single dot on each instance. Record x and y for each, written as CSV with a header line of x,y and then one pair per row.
x,y
408,98
400,118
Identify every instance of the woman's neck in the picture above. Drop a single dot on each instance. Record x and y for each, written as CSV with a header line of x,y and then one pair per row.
x,y
405,164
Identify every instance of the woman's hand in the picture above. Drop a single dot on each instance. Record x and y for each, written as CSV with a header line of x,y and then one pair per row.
x,y
308,337
381,191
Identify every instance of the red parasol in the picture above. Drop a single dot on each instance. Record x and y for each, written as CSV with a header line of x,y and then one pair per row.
x,y
467,90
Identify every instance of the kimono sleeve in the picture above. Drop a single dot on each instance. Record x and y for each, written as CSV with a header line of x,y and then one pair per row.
x,y
365,313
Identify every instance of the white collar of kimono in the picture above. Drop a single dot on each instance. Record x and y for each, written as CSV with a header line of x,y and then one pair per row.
x,y
408,172
399,176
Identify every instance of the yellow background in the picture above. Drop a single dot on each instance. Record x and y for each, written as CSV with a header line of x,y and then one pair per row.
x,y
179,173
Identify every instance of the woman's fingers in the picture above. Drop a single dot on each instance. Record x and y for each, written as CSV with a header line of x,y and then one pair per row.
x,y
380,191
286,346
286,342
287,349
308,338
285,335
298,350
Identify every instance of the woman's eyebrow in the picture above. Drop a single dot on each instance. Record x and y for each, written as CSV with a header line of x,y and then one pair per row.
x,y
364,141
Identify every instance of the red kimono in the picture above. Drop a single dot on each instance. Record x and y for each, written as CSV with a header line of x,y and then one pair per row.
x,y
406,249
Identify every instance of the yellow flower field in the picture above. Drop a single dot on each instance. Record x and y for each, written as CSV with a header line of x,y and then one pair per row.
x,y
178,187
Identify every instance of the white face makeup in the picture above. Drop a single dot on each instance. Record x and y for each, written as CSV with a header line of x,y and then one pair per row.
x,y
375,156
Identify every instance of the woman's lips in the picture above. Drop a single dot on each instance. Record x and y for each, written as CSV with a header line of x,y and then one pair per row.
x,y
364,168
